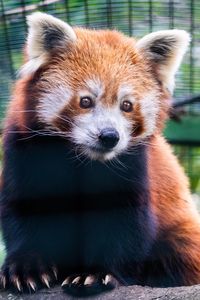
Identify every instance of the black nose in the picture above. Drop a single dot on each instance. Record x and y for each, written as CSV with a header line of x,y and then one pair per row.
x,y
109,138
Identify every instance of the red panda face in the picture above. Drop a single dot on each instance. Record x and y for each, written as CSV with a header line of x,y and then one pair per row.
x,y
100,89
96,93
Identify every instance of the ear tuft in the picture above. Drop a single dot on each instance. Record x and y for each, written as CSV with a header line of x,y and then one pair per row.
x,y
46,34
165,50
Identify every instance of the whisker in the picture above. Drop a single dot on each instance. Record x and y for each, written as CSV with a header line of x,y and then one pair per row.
x,y
26,110
116,173
121,163
83,154
28,137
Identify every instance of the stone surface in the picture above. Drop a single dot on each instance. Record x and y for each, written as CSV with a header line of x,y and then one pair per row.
x,y
121,293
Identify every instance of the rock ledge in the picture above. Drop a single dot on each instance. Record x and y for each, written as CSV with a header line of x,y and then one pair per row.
x,y
121,293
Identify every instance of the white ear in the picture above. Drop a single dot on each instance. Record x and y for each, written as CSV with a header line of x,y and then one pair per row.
x,y
165,50
46,34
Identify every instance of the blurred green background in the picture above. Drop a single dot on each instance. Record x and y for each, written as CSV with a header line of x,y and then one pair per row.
x,y
133,18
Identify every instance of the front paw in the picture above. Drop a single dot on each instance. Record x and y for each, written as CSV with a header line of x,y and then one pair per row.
x,y
88,284
27,273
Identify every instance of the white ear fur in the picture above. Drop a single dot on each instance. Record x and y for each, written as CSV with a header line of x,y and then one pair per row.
x,y
165,50
46,33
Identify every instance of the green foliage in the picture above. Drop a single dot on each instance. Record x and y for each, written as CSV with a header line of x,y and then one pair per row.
x,y
186,130
189,157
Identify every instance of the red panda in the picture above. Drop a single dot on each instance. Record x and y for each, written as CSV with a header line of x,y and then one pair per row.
x,y
91,193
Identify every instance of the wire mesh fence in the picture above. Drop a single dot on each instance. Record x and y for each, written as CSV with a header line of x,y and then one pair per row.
x,y
134,18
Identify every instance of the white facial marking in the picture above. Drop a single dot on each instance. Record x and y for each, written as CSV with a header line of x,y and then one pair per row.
x,y
95,86
149,108
52,103
125,92
88,127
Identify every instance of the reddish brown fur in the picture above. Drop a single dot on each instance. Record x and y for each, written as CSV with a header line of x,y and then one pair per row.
x,y
102,54
173,207
109,55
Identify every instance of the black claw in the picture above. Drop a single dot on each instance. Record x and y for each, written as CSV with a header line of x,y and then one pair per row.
x,y
29,274
3,281
86,285
31,284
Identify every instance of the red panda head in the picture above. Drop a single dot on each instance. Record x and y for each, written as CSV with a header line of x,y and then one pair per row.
x,y
100,89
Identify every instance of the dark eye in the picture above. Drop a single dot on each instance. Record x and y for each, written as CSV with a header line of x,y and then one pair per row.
x,y
86,102
126,106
